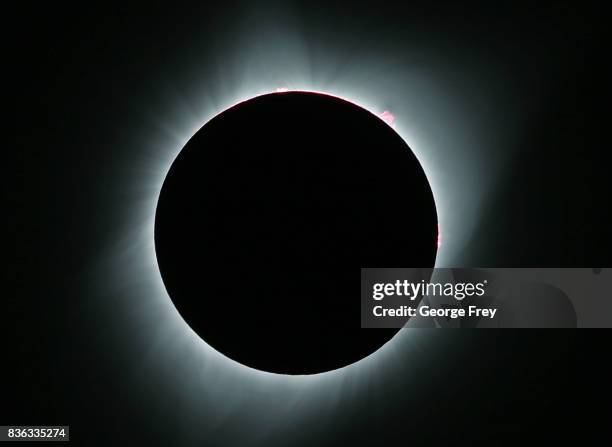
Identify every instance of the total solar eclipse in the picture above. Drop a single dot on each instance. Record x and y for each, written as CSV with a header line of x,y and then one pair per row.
x,y
266,217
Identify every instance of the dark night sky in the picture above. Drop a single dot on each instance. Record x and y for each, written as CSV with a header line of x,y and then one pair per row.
x,y
78,81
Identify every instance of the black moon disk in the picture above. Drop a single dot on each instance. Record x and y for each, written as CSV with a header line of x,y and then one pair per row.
x,y
266,217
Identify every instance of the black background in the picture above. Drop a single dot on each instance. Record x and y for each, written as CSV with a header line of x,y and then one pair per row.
x,y
71,74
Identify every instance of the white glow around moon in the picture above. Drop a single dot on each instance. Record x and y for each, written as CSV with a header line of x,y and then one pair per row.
x,y
140,250
439,119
